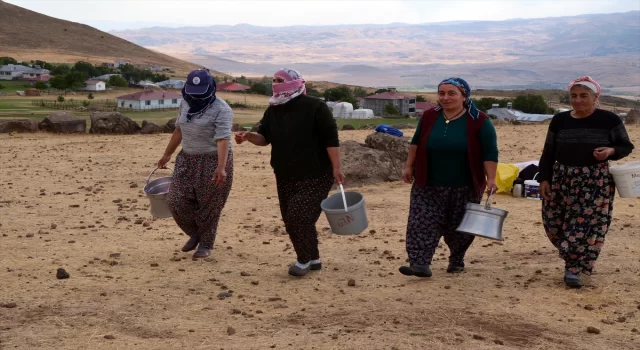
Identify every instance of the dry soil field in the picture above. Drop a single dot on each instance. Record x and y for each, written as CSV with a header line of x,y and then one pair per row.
x,y
76,202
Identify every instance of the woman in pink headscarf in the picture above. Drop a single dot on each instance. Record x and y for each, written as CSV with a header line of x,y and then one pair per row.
x,y
575,182
305,157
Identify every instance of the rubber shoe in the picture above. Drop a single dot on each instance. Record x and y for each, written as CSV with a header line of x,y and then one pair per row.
x,y
416,270
298,271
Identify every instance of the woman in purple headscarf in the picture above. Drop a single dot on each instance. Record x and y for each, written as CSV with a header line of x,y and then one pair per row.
x,y
452,160
305,156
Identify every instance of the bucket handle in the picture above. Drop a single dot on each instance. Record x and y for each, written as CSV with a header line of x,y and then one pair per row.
x,y
154,170
344,198
536,175
487,204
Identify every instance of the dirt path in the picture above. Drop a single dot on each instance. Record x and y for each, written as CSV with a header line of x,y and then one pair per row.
x,y
130,287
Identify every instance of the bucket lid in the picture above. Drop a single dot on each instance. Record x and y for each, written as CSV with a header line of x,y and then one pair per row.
x,y
532,182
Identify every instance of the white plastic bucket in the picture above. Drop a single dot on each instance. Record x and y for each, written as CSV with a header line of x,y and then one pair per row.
x,y
627,179
532,188
156,191
351,221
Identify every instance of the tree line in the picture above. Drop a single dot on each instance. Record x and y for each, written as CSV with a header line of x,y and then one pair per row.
x,y
74,76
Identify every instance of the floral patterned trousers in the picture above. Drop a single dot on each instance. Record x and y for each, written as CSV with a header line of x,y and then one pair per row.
x,y
194,199
436,212
577,217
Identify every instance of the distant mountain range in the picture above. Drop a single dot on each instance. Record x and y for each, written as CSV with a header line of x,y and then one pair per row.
x,y
521,53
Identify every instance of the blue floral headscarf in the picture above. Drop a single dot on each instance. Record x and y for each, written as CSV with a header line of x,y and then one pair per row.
x,y
464,86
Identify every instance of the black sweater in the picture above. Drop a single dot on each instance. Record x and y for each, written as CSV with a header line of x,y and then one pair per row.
x,y
299,132
571,141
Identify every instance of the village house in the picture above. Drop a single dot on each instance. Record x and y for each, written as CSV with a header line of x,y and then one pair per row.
x,y
13,71
36,74
172,84
119,63
423,106
233,86
404,103
95,85
150,99
103,77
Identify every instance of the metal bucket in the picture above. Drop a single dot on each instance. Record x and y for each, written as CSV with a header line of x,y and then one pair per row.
x,y
345,212
156,191
483,221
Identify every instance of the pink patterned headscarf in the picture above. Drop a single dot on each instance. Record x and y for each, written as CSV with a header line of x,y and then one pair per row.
x,y
292,87
589,83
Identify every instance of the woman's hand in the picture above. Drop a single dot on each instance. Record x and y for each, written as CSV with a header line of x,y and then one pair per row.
x,y
338,176
242,137
603,153
219,176
492,188
545,190
162,163
407,174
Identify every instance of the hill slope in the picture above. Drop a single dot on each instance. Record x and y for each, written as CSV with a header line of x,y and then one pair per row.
x,y
28,35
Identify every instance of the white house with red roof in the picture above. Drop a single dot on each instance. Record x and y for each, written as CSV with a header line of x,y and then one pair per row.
x,y
150,99
404,103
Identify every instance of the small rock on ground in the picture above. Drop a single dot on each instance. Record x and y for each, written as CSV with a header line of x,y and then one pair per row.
x,y
62,274
593,330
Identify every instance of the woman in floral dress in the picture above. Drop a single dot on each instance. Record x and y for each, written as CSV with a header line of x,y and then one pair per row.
x,y
575,182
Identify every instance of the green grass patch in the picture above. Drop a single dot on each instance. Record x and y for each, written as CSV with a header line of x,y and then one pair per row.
x,y
356,123
11,86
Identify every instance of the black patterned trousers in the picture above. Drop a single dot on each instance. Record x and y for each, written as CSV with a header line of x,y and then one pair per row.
x,y
435,212
300,208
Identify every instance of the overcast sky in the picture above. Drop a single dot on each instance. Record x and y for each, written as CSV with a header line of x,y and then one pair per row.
x,y
130,14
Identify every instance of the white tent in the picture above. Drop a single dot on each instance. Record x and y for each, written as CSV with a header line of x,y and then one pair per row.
x,y
343,110
362,114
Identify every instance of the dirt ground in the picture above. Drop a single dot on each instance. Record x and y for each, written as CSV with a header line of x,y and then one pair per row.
x,y
76,202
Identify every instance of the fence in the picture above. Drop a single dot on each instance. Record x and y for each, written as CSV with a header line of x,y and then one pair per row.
x,y
105,105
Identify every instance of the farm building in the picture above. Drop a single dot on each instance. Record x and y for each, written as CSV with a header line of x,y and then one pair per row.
x,y
103,77
172,84
13,71
362,114
150,99
512,114
404,103
343,110
233,86
424,106
36,74
95,85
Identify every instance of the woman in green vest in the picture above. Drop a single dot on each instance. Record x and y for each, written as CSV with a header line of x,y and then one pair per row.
x,y
452,160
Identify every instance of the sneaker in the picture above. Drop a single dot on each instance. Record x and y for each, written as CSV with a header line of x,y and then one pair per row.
x,y
416,270
297,271
572,280
455,268
191,244
202,252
